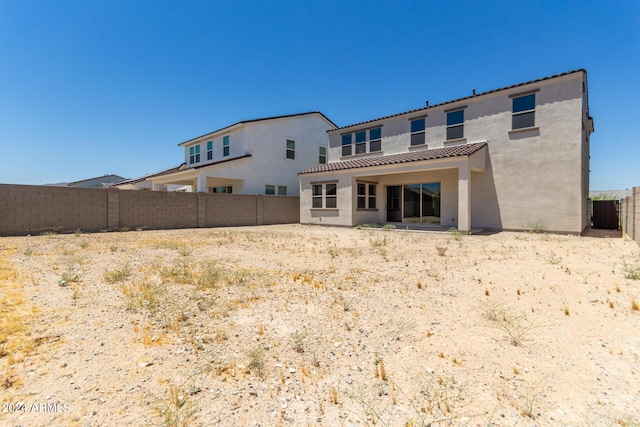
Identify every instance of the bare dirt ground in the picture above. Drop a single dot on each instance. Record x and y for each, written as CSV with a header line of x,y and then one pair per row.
x,y
309,326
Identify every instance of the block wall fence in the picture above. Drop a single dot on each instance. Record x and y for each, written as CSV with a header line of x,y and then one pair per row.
x,y
630,215
27,209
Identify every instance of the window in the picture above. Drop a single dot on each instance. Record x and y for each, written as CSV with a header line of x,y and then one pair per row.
x,y
455,125
322,155
361,142
375,140
417,131
209,150
225,145
324,196
194,154
282,190
227,189
316,196
346,144
524,111
291,149
331,196
270,189
366,196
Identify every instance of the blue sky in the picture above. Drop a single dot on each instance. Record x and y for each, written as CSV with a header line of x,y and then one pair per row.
x,y
98,87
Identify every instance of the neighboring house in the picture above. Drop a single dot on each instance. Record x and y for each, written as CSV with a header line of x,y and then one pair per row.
x,y
261,156
512,158
146,183
98,182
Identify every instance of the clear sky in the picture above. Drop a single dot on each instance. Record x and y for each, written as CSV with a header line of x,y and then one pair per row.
x,y
111,86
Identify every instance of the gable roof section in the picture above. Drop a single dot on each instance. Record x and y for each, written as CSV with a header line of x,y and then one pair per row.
x,y
244,122
580,70
414,156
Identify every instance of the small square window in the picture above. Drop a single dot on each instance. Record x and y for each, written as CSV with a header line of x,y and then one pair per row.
x,y
270,189
282,190
324,194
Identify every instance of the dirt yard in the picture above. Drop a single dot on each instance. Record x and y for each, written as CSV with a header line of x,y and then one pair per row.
x,y
310,326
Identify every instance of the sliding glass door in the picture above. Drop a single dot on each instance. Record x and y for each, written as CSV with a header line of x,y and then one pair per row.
x,y
421,203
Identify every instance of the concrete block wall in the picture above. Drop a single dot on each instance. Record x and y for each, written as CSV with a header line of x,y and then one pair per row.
x,y
230,210
26,209
158,209
280,210
630,215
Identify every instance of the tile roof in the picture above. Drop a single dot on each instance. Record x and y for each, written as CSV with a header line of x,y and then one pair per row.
x,y
260,120
581,70
413,156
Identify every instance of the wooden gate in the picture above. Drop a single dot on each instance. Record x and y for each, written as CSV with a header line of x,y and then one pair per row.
x,y
605,214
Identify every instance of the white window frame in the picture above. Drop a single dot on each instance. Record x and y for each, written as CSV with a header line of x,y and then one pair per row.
x,y
366,196
290,153
322,154
326,197
209,150
531,111
194,154
456,125
226,146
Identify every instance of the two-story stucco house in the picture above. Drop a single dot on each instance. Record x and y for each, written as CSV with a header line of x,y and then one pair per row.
x,y
260,156
509,159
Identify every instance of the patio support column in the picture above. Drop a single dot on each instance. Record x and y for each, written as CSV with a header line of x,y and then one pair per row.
x,y
156,186
202,183
464,198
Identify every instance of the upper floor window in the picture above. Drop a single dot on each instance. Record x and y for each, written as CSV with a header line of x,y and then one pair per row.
x,y
291,149
417,131
324,195
225,145
209,150
375,140
361,142
322,155
455,124
194,154
524,111
282,190
346,144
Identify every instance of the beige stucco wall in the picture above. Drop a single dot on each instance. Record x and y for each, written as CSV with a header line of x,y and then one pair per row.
x,y
536,178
